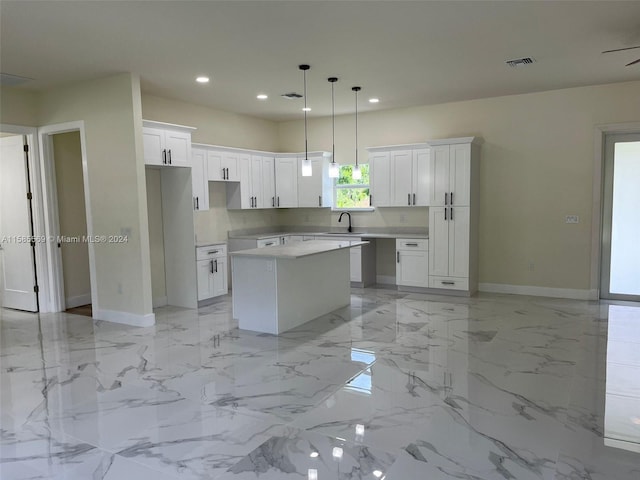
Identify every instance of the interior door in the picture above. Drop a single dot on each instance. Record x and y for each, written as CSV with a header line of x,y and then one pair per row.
x,y
621,221
17,266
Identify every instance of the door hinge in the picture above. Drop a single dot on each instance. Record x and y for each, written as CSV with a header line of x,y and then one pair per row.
x,y
29,196
36,289
26,148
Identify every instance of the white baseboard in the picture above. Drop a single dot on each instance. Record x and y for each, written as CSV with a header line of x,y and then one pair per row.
x,y
126,318
77,301
159,302
572,293
385,279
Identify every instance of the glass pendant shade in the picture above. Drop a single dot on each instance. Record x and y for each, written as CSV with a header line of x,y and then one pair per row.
x,y
334,170
307,171
356,173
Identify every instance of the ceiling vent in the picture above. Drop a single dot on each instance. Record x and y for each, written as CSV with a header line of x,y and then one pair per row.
x,y
8,80
520,62
291,95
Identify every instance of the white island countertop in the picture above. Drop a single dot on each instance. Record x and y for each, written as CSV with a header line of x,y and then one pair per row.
x,y
298,249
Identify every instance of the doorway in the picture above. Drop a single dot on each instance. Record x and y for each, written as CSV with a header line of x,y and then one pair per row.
x,y
620,258
18,277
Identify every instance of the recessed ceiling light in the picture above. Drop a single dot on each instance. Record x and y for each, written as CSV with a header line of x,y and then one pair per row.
x,y
306,109
314,454
262,96
374,100
202,79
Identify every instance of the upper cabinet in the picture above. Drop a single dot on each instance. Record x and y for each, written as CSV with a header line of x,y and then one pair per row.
x,y
199,179
316,191
166,144
224,166
286,173
255,188
400,176
451,173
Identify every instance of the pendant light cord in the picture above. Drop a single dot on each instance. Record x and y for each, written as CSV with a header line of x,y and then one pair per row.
x,y
333,124
306,150
355,89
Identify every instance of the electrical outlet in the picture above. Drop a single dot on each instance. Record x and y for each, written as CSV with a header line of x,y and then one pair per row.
x,y
572,219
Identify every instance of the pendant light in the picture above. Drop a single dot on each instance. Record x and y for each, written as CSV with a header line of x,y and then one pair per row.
x,y
334,168
356,173
306,163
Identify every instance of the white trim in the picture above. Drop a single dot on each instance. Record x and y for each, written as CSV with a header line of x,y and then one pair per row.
x,y
596,207
51,212
159,302
453,141
576,294
386,279
171,126
77,301
125,318
404,146
35,177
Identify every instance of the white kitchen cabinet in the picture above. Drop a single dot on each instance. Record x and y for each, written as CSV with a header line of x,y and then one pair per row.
x,y
211,271
400,175
224,166
255,188
166,144
453,216
362,259
199,179
268,242
268,182
286,175
412,262
316,191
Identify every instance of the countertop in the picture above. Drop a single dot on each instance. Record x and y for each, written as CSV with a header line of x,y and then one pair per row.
x,y
209,244
298,249
357,234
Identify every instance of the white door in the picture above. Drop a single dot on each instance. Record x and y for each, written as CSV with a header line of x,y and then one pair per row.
x,y
154,146
620,279
214,166
380,177
459,241
199,179
17,268
205,279
401,186
460,174
244,168
413,268
287,182
219,277
310,188
440,175
256,182
178,148
439,241
268,182
421,171
231,166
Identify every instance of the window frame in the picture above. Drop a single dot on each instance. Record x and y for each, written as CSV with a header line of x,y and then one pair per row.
x,y
351,186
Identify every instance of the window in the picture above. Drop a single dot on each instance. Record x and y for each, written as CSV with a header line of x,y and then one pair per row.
x,y
350,193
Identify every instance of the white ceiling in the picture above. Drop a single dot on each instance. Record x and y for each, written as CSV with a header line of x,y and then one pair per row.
x,y
405,53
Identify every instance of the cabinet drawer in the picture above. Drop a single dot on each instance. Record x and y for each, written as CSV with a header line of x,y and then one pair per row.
x,y
213,251
268,242
451,283
412,244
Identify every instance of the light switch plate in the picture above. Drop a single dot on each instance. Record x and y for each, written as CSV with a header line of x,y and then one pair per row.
x,y
572,219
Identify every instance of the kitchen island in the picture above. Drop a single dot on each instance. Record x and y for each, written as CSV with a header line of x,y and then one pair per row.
x,y
280,287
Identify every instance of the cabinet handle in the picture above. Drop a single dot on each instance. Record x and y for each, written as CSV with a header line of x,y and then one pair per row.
x,y
211,252
371,200
255,202
451,213
227,169
446,198
397,257
278,201
319,200
197,203
445,213
408,199
451,197
194,203
268,244
273,201
411,244
414,198
448,283
212,267
216,263
169,156
164,156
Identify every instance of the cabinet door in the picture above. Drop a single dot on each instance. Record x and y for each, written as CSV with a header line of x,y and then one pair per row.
x,y
440,175
214,166
205,279
255,192
268,182
244,176
380,178
268,242
438,241
420,178
459,241
310,188
154,145
178,146
231,162
355,264
413,268
401,185
219,277
460,174
199,179
286,182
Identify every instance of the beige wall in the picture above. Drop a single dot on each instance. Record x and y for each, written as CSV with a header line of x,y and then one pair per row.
x,y
156,235
536,167
18,107
72,216
111,111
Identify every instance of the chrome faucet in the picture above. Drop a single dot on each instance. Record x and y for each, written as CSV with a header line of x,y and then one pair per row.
x,y
340,219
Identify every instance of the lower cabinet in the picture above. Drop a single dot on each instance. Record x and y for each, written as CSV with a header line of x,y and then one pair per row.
x,y
412,262
212,271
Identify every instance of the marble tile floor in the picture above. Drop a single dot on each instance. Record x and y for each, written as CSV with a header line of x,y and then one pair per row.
x,y
397,386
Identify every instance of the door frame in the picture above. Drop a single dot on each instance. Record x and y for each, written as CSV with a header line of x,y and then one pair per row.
x,y
597,209
51,219
31,134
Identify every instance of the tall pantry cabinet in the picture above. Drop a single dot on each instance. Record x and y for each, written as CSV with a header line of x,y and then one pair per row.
x,y
453,214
